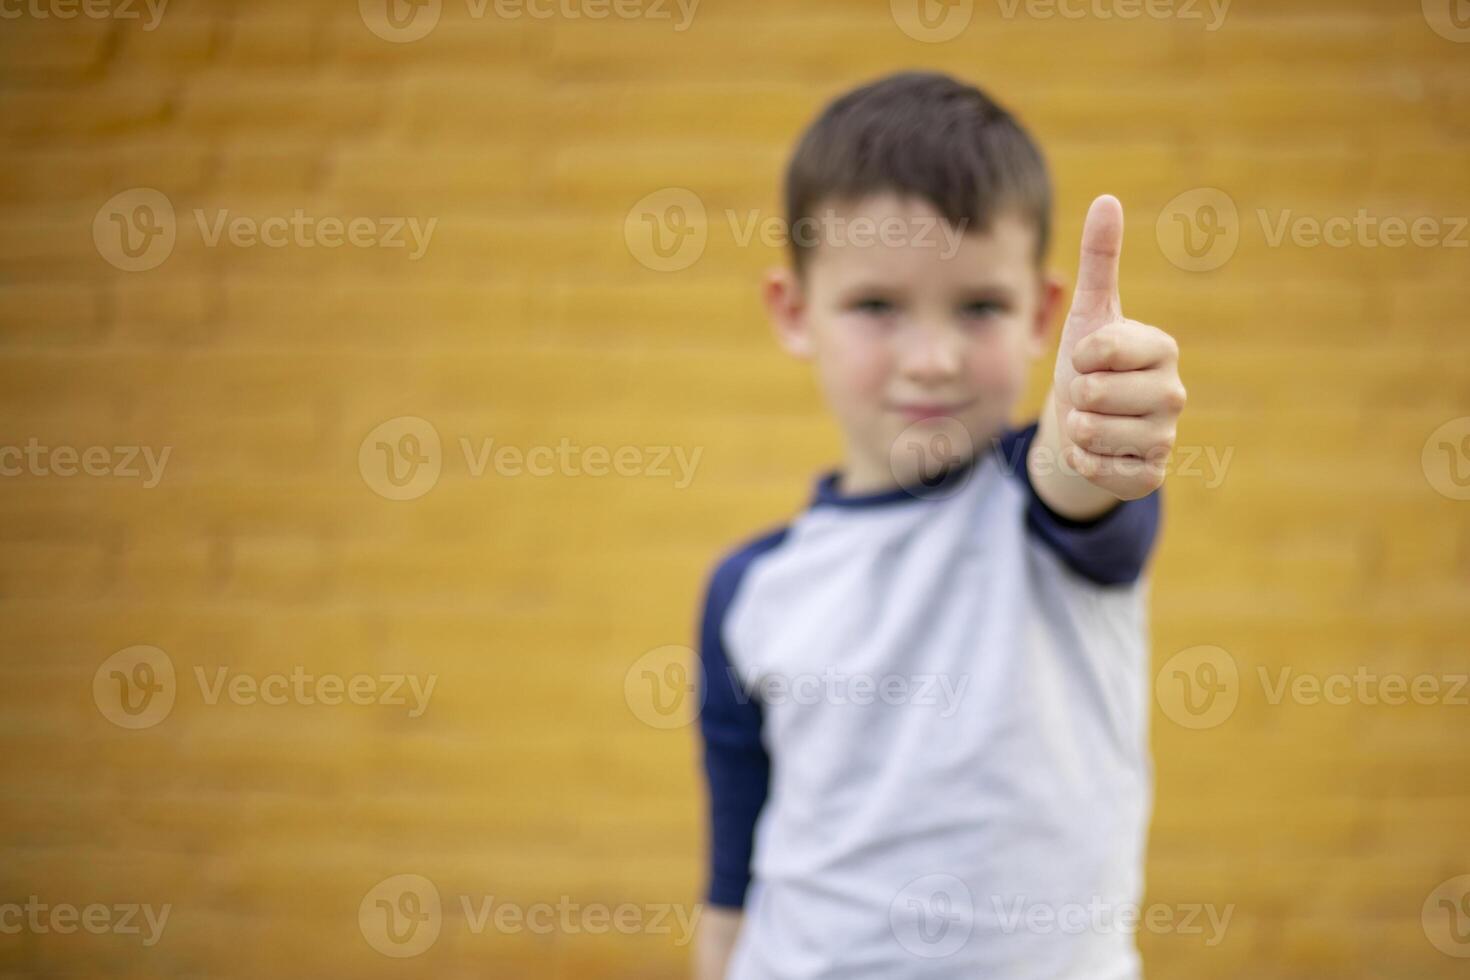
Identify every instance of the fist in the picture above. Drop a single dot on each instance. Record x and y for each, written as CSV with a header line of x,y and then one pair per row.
x,y
1116,390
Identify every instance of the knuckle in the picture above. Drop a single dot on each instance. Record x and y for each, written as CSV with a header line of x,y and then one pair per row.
x,y
1084,427
1085,391
1175,397
1171,346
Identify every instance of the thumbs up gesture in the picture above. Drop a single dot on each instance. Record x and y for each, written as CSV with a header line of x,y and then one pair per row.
x,y
1116,394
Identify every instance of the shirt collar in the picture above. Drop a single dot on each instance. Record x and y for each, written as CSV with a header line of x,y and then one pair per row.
x,y
828,493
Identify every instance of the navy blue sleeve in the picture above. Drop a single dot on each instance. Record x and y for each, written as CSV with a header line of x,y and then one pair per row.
x,y
1111,549
736,765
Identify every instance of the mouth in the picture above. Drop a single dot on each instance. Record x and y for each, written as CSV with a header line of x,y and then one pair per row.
x,y
920,411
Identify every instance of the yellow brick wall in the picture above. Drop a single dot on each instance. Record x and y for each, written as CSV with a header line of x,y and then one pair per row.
x,y
1335,540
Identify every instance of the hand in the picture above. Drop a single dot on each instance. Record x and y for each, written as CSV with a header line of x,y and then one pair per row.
x,y
1116,389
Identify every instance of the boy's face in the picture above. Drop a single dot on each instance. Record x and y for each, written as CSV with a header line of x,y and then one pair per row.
x,y
920,335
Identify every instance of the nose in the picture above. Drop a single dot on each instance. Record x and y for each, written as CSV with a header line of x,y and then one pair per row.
x,y
930,354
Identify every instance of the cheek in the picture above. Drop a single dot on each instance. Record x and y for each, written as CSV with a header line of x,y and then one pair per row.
x,y
998,362
857,367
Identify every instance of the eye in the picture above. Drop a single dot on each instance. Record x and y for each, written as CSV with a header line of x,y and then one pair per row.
x,y
983,309
872,306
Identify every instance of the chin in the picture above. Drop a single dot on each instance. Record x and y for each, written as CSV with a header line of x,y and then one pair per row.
x,y
923,450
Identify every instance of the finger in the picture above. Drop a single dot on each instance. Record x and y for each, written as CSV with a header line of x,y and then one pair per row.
x,y
1124,345
1120,435
1096,294
1128,392
1125,477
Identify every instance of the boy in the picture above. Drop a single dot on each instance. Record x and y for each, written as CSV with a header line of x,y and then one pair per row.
x,y
925,701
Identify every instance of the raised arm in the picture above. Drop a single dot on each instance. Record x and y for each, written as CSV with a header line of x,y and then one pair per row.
x,y
1109,422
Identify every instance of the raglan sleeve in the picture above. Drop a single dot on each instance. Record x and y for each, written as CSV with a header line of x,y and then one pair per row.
x,y
1112,549
736,765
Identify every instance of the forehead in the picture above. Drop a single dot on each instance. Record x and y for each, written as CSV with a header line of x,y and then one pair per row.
x,y
896,240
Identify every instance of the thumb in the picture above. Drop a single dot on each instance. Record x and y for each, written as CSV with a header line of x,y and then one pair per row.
x,y
1096,296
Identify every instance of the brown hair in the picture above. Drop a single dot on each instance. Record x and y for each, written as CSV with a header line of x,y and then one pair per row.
x,y
925,135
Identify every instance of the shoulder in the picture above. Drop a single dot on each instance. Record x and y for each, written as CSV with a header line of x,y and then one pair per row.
x,y
731,568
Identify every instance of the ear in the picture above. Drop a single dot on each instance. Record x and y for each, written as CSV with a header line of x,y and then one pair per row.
x,y
1049,303
781,290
